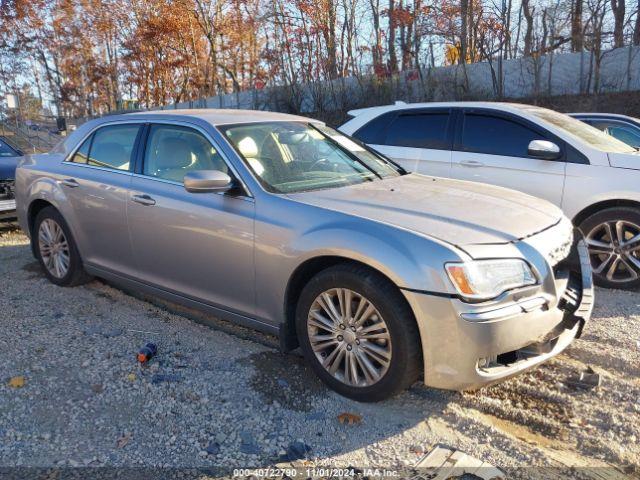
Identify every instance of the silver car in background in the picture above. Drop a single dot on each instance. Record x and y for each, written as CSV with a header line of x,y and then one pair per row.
x,y
280,223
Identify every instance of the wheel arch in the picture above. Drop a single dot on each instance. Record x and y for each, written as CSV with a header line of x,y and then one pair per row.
x,y
297,281
35,207
603,205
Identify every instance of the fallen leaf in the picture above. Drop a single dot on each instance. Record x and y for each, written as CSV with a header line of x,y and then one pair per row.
x,y
17,382
349,418
131,377
122,441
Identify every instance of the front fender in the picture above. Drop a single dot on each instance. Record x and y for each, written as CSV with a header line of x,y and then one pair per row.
x,y
408,260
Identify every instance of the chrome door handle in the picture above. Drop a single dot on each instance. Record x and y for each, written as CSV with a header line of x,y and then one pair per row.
x,y
143,199
70,182
471,163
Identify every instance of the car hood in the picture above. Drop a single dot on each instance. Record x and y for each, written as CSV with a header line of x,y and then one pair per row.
x,y
8,167
455,211
625,160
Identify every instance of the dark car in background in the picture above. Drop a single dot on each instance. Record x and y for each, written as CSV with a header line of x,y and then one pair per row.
x,y
622,127
9,157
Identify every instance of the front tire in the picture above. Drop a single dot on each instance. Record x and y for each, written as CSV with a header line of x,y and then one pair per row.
x,y
613,239
56,249
358,333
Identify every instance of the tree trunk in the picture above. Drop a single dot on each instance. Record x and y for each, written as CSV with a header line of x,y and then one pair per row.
x,y
636,31
577,35
464,29
618,9
528,36
393,59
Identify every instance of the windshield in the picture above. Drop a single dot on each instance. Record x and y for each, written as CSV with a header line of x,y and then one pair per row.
x,y
290,157
588,134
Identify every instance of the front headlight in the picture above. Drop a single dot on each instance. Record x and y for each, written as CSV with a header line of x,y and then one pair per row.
x,y
485,279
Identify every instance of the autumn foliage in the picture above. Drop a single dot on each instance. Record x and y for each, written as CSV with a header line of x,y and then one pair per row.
x,y
88,57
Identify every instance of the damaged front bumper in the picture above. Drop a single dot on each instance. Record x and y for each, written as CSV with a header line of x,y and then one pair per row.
x,y
467,346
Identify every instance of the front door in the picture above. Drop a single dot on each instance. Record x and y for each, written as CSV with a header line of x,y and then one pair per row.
x,y
493,149
419,140
198,245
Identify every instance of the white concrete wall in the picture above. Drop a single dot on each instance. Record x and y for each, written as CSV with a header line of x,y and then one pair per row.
x,y
561,74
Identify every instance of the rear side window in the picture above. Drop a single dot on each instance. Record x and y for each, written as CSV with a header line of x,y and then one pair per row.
x,y
109,147
6,150
496,136
374,132
82,154
419,130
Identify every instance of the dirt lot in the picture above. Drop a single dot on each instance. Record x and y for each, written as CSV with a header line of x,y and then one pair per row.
x,y
218,395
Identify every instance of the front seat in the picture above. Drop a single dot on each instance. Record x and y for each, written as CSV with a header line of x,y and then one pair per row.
x,y
172,160
249,150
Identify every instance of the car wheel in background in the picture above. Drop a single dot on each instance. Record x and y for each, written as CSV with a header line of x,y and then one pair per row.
x,y
613,238
358,333
56,249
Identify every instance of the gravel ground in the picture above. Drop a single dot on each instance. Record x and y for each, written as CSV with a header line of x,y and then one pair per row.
x,y
221,395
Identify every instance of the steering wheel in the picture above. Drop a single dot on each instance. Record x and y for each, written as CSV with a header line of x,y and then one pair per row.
x,y
323,161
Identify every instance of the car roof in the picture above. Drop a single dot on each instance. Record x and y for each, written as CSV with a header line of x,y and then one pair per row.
x,y
602,115
504,106
219,116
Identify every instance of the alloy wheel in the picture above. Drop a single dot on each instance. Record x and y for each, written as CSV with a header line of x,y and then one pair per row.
x,y
54,248
349,337
614,248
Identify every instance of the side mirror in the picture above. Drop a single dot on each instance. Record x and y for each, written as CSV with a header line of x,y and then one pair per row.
x,y
544,150
203,181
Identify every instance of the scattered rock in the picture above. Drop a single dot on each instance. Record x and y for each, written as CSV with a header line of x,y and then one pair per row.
x,y
213,448
296,450
165,377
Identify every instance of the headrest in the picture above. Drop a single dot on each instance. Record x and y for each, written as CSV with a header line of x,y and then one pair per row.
x,y
173,152
248,147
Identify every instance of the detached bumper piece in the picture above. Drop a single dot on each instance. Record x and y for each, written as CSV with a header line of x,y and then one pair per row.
x,y
575,288
7,200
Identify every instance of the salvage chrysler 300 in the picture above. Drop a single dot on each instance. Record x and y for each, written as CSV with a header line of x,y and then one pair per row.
x,y
280,223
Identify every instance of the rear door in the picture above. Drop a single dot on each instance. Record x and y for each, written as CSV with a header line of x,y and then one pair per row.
x,y
96,180
491,147
420,140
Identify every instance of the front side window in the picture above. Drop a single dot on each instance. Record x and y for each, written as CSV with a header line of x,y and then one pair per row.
x,y
373,132
173,151
109,147
626,135
290,157
496,136
419,130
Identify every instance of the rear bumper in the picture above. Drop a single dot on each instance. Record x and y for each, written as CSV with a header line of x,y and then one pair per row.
x,y
467,347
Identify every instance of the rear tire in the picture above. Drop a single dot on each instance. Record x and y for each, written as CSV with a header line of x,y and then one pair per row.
x,y
613,238
56,250
379,340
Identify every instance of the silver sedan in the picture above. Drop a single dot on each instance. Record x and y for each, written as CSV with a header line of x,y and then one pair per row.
x,y
280,223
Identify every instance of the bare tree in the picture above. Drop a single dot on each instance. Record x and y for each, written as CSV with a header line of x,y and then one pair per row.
x,y
618,9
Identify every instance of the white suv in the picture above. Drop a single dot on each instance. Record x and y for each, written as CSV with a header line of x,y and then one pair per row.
x,y
592,176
